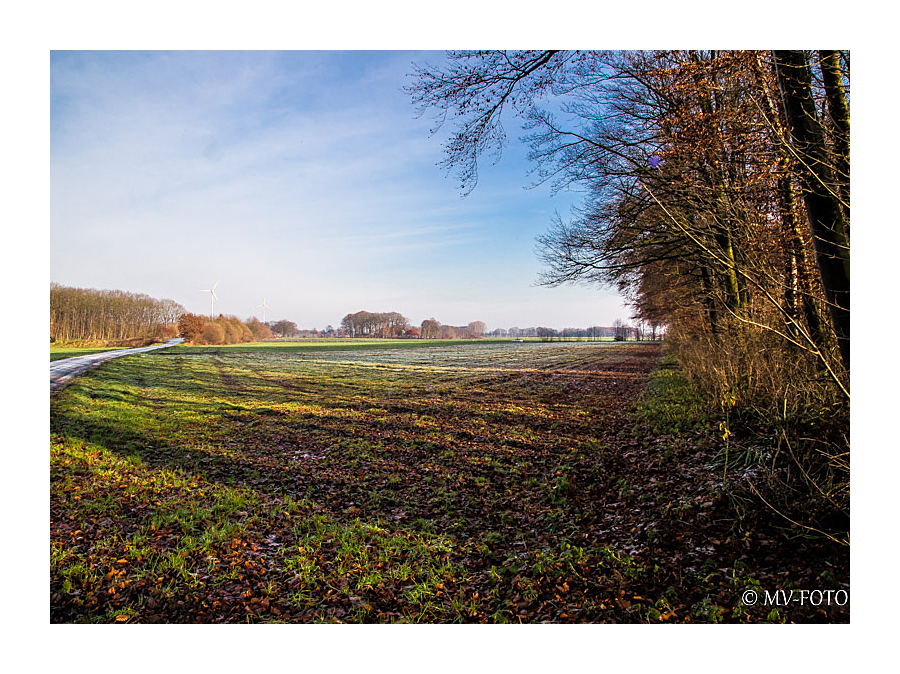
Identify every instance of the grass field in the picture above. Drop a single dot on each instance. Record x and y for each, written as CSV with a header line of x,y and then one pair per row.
x,y
309,344
477,482
345,344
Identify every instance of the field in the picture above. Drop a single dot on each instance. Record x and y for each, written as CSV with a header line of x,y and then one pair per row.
x,y
347,344
310,344
478,482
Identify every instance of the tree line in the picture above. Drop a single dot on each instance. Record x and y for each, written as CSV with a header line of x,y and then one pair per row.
x,y
79,314
718,180
109,315
434,329
374,324
394,324
222,330
718,203
619,329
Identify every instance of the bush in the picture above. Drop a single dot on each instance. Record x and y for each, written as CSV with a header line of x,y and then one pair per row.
x,y
232,330
190,326
259,330
213,333
166,331
782,423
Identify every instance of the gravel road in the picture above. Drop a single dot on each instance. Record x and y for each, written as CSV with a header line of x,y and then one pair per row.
x,y
62,371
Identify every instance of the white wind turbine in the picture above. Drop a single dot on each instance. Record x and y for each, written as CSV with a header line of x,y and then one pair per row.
x,y
212,298
264,307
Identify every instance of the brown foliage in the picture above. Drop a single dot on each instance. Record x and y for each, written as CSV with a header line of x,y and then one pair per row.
x,y
698,165
232,331
784,426
190,326
259,330
213,333
166,331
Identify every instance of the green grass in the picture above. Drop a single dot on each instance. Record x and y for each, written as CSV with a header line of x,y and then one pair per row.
x,y
60,352
344,483
670,404
321,344
287,346
468,482
314,344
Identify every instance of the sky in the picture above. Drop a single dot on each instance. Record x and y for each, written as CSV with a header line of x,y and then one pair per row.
x,y
304,178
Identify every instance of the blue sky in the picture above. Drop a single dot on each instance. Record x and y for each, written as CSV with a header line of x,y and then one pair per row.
x,y
304,178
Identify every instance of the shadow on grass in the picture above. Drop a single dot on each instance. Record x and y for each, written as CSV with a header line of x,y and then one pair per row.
x,y
454,458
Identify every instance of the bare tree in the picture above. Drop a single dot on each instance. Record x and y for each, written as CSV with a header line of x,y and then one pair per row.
x,y
477,328
90,314
430,329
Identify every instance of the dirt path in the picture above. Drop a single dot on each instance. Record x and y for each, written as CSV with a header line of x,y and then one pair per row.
x,y
62,371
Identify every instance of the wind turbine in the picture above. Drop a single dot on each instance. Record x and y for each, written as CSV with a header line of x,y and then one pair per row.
x,y
264,307
212,297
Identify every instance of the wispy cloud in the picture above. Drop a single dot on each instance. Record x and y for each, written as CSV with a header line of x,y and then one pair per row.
x,y
262,169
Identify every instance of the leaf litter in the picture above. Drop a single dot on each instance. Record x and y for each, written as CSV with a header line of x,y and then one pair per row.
x,y
466,484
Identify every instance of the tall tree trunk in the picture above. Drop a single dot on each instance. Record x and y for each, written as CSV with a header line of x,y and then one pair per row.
x,y
797,250
722,225
839,112
709,301
797,272
729,273
826,218
791,282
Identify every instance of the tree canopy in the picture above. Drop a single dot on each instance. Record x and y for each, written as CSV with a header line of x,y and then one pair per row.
x,y
713,179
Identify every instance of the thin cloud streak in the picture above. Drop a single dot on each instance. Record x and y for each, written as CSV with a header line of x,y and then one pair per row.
x,y
302,177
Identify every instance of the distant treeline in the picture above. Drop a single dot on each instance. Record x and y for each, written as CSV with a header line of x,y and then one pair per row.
x,y
86,314
109,315
90,315
394,324
222,330
619,330
370,324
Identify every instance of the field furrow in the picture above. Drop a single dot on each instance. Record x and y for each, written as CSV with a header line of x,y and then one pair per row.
x,y
491,483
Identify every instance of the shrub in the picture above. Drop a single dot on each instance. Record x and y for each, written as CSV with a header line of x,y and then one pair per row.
x,y
166,331
213,333
232,330
259,330
783,425
190,326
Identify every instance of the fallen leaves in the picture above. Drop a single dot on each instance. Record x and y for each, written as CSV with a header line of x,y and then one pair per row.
x,y
467,484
